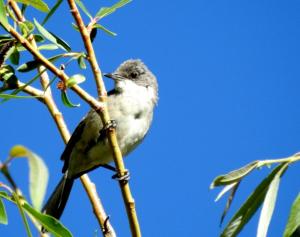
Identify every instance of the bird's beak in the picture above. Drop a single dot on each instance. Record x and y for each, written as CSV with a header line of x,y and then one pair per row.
x,y
113,76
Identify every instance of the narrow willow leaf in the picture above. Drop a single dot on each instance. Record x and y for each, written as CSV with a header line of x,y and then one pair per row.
x,y
105,29
225,190
61,43
3,216
269,204
19,89
248,209
30,65
38,4
52,11
105,11
74,80
26,28
229,202
93,34
9,96
5,36
38,174
15,56
83,8
50,223
23,9
81,62
51,37
66,101
234,176
294,218
38,38
48,47
26,67
22,212
3,17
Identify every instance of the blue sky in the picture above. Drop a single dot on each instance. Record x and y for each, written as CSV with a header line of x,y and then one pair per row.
x,y
228,74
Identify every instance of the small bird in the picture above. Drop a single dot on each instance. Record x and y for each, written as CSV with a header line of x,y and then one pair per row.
x,y
130,105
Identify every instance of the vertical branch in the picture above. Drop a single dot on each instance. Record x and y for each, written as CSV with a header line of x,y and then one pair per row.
x,y
126,193
88,185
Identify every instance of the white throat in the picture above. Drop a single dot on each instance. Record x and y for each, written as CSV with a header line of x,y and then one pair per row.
x,y
128,87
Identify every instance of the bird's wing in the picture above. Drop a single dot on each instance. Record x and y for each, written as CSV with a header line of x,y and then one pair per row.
x,y
65,156
86,134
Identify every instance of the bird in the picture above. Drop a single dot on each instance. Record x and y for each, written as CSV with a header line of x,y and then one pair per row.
x,y
130,105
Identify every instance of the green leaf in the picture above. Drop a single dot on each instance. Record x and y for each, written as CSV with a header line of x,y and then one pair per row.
x,y
22,212
66,101
229,200
38,38
15,56
51,37
74,80
93,34
30,65
294,218
3,216
81,62
26,67
38,4
61,43
248,209
269,204
52,11
9,96
10,81
26,27
50,223
105,11
83,8
19,89
48,47
3,17
225,190
233,176
38,174
104,29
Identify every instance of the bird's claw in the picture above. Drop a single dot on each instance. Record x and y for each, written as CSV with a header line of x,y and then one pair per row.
x,y
111,124
124,178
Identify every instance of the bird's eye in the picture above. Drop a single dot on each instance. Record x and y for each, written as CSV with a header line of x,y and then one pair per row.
x,y
133,75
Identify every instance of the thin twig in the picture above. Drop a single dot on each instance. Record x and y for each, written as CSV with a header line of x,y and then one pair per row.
x,y
126,193
60,123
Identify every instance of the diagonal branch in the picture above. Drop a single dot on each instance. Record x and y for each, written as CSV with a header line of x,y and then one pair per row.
x,y
127,196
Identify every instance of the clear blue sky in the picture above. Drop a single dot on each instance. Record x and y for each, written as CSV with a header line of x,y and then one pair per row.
x,y
229,82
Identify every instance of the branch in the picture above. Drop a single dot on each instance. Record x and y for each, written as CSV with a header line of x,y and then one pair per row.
x,y
88,185
127,196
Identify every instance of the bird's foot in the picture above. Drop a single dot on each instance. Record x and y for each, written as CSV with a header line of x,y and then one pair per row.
x,y
111,124
123,178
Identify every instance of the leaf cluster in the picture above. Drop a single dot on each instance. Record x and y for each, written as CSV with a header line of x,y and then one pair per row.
x,y
264,196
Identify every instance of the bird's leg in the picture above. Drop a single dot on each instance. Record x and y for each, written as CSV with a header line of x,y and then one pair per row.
x,y
116,176
109,167
124,178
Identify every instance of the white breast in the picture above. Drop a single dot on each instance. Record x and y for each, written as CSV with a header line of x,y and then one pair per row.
x,y
133,111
